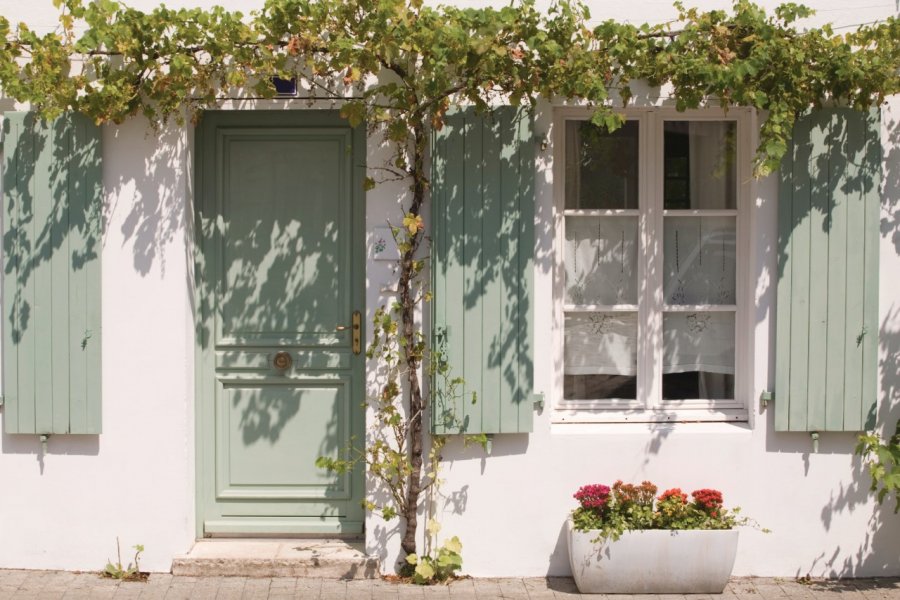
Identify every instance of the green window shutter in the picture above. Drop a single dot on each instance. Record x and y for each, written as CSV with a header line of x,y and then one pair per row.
x,y
827,295
51,276
483,259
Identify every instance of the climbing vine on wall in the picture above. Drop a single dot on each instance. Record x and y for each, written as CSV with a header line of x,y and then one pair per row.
x,y
399,66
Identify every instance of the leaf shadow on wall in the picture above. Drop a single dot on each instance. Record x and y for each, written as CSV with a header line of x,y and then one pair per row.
x,y
46,234
273,275
881,539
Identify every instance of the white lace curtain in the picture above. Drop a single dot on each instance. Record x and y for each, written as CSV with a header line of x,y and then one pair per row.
x,y
606,343
601,260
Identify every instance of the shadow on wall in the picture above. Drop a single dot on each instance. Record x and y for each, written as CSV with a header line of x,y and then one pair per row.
x,y
153,219
880,544
156,215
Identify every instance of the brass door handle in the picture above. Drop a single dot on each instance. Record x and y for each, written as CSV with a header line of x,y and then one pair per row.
x,y
357,332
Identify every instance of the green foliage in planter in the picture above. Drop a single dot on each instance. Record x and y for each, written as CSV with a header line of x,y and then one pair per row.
x,y
883,460
625,507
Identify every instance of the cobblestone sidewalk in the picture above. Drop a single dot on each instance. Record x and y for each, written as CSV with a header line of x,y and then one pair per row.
x,y
17,584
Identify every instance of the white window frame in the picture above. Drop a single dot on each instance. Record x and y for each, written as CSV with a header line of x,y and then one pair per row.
x,y
649,405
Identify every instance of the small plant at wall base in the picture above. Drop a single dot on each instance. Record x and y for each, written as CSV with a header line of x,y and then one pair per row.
x,y
399,66
130,573
883,460
442,563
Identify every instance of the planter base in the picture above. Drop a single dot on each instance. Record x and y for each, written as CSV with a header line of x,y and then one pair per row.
x,y
653,561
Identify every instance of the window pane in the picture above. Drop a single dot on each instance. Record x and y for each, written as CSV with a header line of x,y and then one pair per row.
x,y
601,167
698,355
601,260
600,356
699,260
700,167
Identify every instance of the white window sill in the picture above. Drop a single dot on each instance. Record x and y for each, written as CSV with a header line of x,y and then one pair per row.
x,y
653,418
739,428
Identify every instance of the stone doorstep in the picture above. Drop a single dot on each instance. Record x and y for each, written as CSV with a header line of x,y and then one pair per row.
x,y
321,558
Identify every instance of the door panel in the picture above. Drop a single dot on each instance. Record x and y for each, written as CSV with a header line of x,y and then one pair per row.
x,y
280,271
284,248
264,439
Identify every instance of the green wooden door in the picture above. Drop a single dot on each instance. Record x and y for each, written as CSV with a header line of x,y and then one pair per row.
x,y
279,276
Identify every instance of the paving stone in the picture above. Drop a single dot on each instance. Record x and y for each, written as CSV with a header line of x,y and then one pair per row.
x,y
464,588
512,588
157,592
407,591
436,591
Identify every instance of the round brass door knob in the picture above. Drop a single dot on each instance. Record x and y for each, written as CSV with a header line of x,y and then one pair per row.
x,y
282,360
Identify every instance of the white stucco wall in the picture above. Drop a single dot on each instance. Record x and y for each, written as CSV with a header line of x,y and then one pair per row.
x,y
136,480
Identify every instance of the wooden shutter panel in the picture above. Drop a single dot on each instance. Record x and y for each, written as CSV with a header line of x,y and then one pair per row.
x,y
827,312
51,282
483,259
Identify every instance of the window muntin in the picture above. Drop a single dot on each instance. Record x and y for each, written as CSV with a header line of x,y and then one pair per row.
x,y
679,351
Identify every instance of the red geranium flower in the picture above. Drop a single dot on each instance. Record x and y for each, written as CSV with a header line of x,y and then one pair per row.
x,y
674,493
593,496
707,499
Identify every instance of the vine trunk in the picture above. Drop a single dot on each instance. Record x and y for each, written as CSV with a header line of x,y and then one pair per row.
x,y
411,355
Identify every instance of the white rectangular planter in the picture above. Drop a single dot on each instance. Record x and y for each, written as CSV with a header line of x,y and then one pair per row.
x,y
653,561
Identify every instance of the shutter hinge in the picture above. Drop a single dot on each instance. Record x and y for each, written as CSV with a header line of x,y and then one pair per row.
x,y
538,399
765,398
1,401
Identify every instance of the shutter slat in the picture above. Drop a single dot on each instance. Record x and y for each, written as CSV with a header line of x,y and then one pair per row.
x,y
509,167
785,285
59,275
473,266
818,300
525,305
856,276
492,242
872,177
79,203
52,282
25,330
828,274
799,257
454,307
46,172
439,251
90,237
482,289
838,244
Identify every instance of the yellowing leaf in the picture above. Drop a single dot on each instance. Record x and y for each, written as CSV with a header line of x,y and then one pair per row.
x,y
433,526
453,545
424,570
